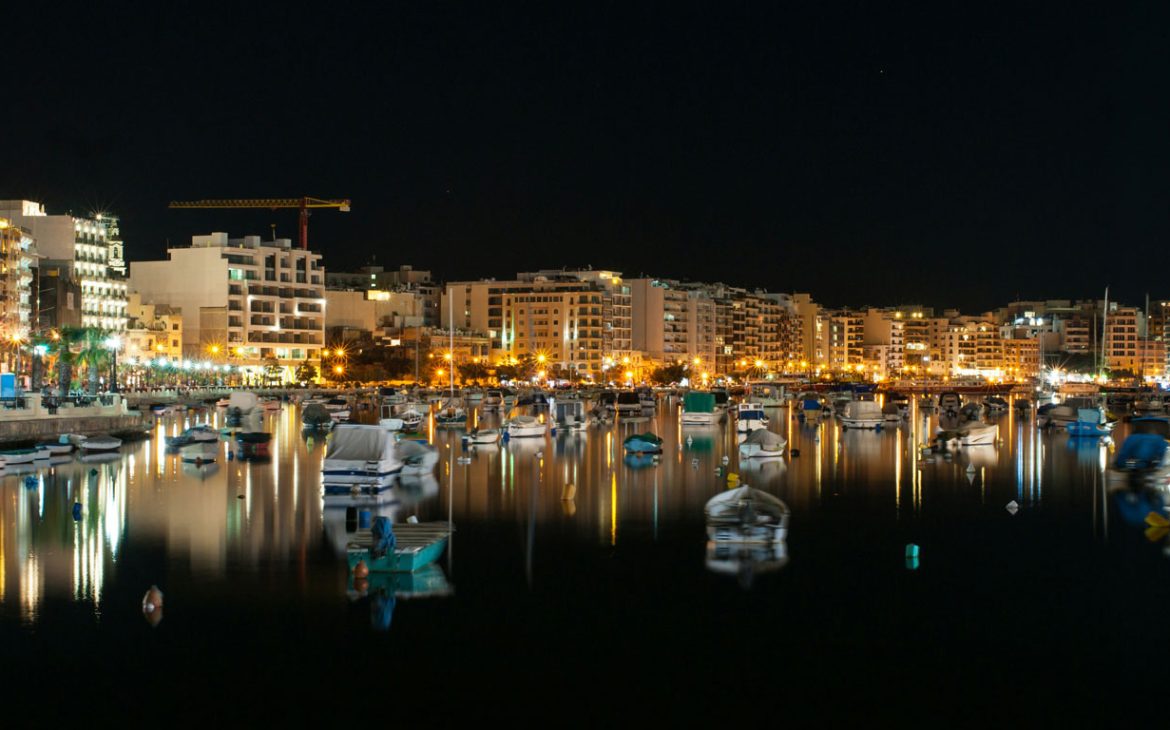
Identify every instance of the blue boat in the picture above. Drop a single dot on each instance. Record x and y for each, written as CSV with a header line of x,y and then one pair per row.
x,y
643,443
1144,451
402,548
1089,424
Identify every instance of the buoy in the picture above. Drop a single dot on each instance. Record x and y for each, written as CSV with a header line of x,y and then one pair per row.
x,y
239,496
725,460
690,440
970,468
794,452
911,550
413,519
361,585
153,600
569,492
231,455
361,570
93,472
1012,507
30,481
1154,519
77,511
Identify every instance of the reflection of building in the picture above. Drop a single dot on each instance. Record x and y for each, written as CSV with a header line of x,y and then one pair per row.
x,y
79,249
272,295
153,331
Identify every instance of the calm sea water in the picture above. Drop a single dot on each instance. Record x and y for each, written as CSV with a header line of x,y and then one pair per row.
x,y
598,610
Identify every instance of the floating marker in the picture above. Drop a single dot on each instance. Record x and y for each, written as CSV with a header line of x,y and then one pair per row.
x,y
77,511
1012,507
30,481
970,468
911,550
1154,519
413,519
726,460
690,440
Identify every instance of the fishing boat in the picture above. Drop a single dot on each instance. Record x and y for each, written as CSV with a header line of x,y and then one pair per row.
x,y
198,452
810,404
995,404
361,460
254,444
762,444
18,456
103,442
767,394
418,457
200,434
526,427
400,548
628,403
569,414
493,400
315,417
61,447
749,417
698,409
1144,452
862,414
979,434
746,515
484,436
643,443
411,419
1089,424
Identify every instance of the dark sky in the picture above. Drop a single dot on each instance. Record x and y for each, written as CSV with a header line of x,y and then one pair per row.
x,y
955,154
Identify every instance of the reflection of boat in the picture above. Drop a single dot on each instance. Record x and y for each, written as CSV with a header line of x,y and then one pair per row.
x,y
762,469
383,590
746,515
762,444
407,547
982,456
1089,424
417,457
253,444
198,452
639,461
98,457
361,460
57,448
1144,452
746,560
862,414
643,443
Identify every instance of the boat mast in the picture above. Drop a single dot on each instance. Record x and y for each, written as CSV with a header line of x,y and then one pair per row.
x,y
1104,330
451,325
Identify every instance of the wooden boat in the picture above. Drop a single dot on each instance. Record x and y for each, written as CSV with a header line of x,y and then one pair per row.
x,y
762,444
415,547
746,515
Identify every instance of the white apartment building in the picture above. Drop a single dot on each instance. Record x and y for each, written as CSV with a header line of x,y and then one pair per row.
x,y
250,299
84,247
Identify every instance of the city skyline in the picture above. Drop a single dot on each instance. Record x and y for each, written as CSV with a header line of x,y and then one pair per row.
x,y
952,156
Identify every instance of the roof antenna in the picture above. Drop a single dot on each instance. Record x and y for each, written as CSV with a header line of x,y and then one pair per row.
x,y
273,227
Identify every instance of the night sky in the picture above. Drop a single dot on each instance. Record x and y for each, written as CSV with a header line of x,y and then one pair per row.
x,y
953,154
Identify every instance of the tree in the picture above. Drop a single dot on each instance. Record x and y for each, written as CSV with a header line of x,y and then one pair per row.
x,y
88,346
523,369
476,371
668,374
273,374
306,372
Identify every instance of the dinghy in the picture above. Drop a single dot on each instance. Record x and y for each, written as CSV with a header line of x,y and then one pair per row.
x,y
762,444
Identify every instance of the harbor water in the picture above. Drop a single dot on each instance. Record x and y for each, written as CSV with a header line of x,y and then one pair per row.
x,y
909,587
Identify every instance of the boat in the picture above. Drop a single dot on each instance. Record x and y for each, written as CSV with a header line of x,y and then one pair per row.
x,y
1089,424
198,452
361,461
891,413
762,444
698,409
242,403
223,403
647,399
271,404
862,414
195,434
569,414
411,418
417,457
1144,452
472,396
334,405
315,416
643,443
57,448
628,403
1149,402
526,427
450,414
253,444
18,456
607,399
746,515
810,404
995,404
103,442
400,548
391,396
749,417
493,400
767,394
482,436
722,399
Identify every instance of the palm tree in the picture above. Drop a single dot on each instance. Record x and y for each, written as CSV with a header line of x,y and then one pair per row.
x,y
91,351
66,359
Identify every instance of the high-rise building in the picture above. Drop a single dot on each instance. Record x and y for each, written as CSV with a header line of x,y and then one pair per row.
x,y
80,248
255,300
153,330
404,281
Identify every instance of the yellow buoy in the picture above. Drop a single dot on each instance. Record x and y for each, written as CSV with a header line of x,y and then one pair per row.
x,y
1154,519
569,493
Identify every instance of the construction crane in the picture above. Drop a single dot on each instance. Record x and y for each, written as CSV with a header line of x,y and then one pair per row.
x,y
303,204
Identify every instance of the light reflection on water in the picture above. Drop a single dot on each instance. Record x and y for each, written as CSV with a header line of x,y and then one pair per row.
x,y
231,520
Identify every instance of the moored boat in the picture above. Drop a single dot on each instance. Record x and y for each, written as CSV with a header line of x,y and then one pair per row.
x,y
698,409
361,460
401,548
103,442
484,436
762,444
862,414
417,457
526,427
749,417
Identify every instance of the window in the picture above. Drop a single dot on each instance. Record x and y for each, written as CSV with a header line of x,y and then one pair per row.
x,y
175,326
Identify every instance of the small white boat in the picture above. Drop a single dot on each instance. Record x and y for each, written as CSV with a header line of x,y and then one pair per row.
x,y
417,457
484,436
57,448
450,415
762,444
862,414
746,515
526,427
341,414
18,456
750,417
101,443
493,401
698,409
411,419
392,425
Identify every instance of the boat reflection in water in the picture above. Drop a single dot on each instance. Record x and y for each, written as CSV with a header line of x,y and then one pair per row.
x,y
381,591
746,561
